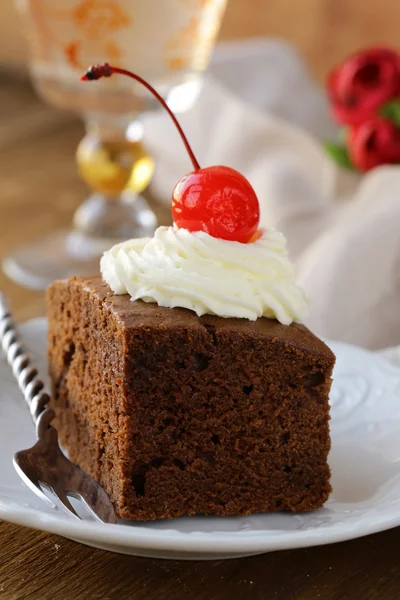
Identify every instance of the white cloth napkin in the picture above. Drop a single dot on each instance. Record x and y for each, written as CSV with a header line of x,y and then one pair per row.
x,y
352,271
260,112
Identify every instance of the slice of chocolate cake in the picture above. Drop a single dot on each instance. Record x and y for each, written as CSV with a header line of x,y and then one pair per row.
x,y
176,414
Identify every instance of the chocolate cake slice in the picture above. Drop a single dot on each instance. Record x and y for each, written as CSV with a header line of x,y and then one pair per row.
x,y
176,414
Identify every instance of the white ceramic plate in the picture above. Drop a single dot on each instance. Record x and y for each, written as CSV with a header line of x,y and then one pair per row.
x,y
365,461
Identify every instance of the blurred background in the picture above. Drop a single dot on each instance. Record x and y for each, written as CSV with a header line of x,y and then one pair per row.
x,y
40,188
324,31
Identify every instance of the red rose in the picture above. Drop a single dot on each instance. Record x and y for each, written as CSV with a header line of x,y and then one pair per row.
x,y
360,85
374,142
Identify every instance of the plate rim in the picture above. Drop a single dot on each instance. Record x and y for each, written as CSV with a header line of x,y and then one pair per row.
x,y
136,537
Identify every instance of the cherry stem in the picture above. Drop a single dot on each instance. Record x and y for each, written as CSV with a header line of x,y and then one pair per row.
x,y
106,70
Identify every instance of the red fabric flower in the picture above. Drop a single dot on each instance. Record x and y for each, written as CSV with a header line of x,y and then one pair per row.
x,y
360,85
374,142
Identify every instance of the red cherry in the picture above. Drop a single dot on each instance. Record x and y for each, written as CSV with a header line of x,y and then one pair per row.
x,y
217,200
374,142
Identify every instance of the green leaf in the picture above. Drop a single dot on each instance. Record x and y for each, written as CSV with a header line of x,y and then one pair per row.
x,y
339,154
391,111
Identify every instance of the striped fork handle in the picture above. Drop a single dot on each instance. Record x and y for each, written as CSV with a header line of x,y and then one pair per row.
x,y
26,375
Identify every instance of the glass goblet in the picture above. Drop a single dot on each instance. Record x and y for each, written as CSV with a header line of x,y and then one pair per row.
x,y
168,42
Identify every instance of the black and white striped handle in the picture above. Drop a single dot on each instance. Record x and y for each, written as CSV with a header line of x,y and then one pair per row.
x,y
26,375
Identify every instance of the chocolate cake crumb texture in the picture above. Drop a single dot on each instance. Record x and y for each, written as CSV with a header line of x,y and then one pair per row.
x,y
179,415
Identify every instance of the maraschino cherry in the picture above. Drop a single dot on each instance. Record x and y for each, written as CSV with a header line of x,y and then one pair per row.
x,y
217,200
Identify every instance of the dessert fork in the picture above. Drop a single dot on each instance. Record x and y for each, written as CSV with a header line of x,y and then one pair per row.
x,y
44,467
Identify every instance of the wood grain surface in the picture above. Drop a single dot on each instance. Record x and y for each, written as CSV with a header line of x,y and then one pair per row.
x,y
39,189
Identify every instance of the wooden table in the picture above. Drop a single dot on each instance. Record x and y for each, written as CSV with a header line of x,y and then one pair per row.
x,y
39,189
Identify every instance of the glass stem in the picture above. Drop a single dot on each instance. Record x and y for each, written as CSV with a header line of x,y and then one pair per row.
x,y
114,164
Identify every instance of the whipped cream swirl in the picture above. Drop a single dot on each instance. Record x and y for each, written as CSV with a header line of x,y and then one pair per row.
x,y
208,275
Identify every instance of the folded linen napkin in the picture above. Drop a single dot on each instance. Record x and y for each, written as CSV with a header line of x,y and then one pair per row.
x,y
351,272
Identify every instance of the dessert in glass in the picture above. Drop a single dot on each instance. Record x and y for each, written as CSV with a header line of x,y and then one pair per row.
x,y
169,42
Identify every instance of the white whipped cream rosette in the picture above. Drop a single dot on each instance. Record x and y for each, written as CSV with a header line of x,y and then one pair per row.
x,y
179,268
